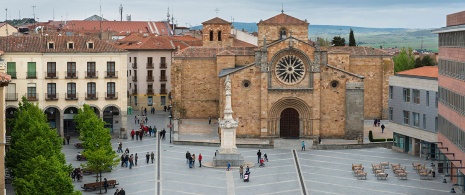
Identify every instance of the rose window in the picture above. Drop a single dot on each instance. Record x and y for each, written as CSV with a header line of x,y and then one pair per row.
x,y
290,69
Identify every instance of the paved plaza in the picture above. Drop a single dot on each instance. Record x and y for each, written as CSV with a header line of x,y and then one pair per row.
x,y
322,171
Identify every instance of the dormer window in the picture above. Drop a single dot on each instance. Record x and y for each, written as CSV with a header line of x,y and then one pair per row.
x,y
70,45
50,45
282,33
90,45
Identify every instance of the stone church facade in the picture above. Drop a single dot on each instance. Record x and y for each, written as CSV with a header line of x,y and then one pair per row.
x,y
284,87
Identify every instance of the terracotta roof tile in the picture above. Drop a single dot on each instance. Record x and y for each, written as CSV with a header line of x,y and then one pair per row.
x,y
209,52
239,43
216,20
225,53
425,71
361,51
38,44
145,41
161,28
283,19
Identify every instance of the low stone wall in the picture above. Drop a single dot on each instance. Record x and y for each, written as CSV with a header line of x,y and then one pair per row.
x,y
387,145
199,143
397,149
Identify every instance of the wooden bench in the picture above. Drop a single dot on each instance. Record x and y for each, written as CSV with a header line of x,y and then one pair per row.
x,y
356,165
361,175
375,168
417,166
399,171
96,185
377,172
402,176
382,176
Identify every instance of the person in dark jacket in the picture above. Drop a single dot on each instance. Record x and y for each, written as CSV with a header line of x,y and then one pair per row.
x,y
105,184
187,156
122,192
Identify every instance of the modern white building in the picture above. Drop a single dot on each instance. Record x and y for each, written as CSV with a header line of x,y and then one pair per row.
x,y
61,73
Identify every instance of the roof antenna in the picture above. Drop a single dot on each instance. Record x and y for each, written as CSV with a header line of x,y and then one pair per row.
x,y
282,8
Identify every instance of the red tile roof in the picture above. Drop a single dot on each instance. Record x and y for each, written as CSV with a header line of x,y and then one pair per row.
x,y
161,28
360,51
38,44
145,41
216,20
239,43
283,19
209,52
425,71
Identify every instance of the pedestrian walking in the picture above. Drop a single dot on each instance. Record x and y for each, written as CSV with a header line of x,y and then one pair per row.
x,y
266,157
105,184
141,134
131,161
126,159
193,160
303,146
127,151
147,156
137,134
209,120
382,128
200,159
146,120
150,131
138,119
187,156
152,156
190,161
137,157
163,133
164,108
116,192
135,119
120,147
122,160
132,134
374,122
241,171
259,155
145,111
229,166
68,137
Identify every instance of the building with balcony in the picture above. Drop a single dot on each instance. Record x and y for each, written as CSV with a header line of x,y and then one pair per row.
x,y
451,108
413,110
148,67
61,73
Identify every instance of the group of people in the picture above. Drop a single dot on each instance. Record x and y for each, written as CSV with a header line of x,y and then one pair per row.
x,y
128,160
190,159
151,155
144,130
241,171
143,110
77,174
120,192
260,159
138,119
376,122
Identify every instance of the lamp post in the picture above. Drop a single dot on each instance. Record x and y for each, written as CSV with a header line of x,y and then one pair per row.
x,y
171,118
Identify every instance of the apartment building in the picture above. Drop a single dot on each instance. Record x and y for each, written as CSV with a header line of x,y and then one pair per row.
x,y
413,110
61,73
451,109
4,81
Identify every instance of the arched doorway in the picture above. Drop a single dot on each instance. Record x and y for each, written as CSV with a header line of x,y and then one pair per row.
x,y
289,123
53,118
111,117
69,126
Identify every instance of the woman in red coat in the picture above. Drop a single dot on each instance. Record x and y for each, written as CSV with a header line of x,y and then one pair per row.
x,y
200,159
132,134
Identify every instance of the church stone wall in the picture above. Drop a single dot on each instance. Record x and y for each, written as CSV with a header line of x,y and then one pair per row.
x,y
245,101
199,87
340,61
333,110
354,110
376,71
244,60
225,35
271,32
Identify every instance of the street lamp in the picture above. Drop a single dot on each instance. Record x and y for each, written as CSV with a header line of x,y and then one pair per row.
x,y
171,118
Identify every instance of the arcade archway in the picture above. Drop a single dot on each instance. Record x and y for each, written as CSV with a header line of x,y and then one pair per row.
x,y
290,118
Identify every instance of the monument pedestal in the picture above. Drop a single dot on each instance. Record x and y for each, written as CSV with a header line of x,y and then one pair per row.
x,y
222,160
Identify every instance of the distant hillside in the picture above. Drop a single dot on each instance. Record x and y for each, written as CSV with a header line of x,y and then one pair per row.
x,y
374,37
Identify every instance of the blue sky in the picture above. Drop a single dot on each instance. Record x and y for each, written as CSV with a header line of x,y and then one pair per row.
x,y
364,13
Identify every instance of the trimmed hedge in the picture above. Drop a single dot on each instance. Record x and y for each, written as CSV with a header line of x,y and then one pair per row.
x,y
370,137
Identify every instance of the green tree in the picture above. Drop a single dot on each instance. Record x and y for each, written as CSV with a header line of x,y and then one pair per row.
x,y
418,63
351,38
338,41
405,60
322,41
33,140
96,141
428,61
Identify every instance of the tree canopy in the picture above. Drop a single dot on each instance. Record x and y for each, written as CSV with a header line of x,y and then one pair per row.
x,y
35,156
405,60
338,41
352,38
96,141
